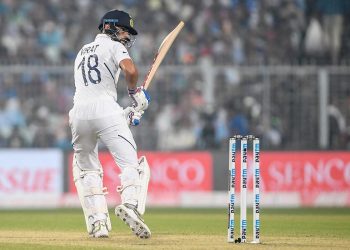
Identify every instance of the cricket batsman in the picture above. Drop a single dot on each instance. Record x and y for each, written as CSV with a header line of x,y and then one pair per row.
x,y
96,115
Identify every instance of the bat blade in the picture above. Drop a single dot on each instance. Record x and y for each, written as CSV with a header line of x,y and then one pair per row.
x,y
162,51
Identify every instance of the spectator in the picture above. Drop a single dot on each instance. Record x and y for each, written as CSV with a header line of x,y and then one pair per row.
x,y
332,14
16,139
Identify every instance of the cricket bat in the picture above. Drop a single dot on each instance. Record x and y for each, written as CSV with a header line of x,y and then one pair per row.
x,y
163,49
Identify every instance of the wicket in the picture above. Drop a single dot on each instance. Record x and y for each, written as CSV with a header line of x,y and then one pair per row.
x,y
244,181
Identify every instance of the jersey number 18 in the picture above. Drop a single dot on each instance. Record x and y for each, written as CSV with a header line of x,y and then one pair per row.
x,y
92,63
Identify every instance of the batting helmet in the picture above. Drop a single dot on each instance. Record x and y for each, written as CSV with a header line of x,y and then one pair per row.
x,y
118,18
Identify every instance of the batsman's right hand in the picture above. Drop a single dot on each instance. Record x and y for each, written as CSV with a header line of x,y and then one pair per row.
x,y
132,116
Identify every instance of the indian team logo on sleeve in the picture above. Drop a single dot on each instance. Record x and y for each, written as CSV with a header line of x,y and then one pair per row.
x,y
131,22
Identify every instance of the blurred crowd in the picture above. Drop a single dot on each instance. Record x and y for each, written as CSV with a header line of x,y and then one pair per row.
x,y
231,31
34,104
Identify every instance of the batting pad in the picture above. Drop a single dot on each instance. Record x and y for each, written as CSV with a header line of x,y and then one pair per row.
x,y
92,196
145,174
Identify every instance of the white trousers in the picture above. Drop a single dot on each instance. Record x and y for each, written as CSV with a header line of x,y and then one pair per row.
x,y
110,127
104,121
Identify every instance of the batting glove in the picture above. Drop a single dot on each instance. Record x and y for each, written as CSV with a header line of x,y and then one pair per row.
x,y
132,116
140,98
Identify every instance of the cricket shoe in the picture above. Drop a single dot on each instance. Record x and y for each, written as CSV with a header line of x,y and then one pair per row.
x,y
100,229
128,213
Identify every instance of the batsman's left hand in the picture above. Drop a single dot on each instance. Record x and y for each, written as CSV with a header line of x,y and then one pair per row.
x,y
140,98
132,116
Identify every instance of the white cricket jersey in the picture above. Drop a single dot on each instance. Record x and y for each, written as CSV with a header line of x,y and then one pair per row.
x,y
96,70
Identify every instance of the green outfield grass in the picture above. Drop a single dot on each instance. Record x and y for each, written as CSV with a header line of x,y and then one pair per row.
x,y
177,229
